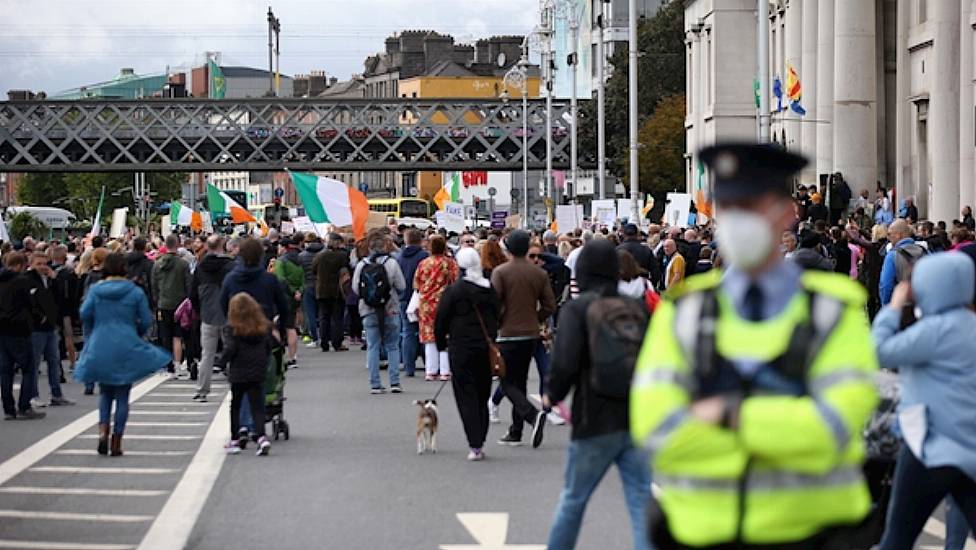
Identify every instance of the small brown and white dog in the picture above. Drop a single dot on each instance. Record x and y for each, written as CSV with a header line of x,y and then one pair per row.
x,y
426,426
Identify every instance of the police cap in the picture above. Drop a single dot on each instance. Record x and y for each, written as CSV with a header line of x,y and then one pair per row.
x,y
749,170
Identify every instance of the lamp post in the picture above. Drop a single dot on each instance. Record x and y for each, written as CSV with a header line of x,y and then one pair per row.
x,y
632,99
601,113
517,77
546,30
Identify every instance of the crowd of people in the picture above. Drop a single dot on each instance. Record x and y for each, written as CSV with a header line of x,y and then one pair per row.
x,y
577,304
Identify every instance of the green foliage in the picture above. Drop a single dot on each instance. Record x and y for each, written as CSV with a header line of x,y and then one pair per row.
x,y
24,225
79,193
660,73
662,138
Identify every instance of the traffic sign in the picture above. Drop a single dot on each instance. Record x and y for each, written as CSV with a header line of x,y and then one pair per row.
x,y
498,218
279,192
363,188
492,191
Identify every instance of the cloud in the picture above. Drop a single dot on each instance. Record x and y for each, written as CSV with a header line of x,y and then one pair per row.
x,y
52,45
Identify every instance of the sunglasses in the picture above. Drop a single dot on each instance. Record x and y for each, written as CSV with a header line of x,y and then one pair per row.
x,y
467,242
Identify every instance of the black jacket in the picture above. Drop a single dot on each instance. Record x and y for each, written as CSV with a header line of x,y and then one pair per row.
x,y
247,356
15,304
645,259
138,269
69,292
809,258
593,414
456,325
262,286
305,258
45,315
208,278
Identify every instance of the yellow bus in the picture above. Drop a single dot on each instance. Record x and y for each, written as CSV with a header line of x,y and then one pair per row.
x,y
405,207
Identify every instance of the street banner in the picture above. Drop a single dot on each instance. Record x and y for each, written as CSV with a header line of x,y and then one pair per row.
x,y
118,223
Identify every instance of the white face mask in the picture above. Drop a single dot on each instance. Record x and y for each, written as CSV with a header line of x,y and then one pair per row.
x,y
745,238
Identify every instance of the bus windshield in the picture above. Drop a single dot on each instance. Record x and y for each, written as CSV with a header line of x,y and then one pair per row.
x,y
413,209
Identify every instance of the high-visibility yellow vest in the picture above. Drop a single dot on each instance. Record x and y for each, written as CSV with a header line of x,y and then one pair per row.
x,y
793,466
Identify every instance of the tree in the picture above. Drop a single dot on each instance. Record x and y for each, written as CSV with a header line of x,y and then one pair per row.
x,y
660,73
80,192
25,225
43,189
662,139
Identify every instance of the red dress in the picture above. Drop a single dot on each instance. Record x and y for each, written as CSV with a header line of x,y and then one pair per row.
x,y
433,275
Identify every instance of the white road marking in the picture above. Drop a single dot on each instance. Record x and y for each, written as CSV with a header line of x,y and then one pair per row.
x,y
149,437
175,522
491,531
73,516
26,458
166,424
38,545
160,394
81,492
937,529
86,452
168,413
100,470
173,403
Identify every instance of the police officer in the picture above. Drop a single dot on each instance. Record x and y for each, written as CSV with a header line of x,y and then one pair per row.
x,y
753,385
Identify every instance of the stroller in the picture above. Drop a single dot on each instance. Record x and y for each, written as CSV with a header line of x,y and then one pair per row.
x,y
274,394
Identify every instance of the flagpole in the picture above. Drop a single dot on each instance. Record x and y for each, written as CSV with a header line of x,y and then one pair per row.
x,y
762,52
96,226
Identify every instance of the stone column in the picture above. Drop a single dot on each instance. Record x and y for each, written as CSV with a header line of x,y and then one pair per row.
x,y
943,123
810,83
794,57
825,86
904,110
855,90
967,108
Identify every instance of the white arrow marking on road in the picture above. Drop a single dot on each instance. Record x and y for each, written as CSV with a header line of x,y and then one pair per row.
x,y
491,531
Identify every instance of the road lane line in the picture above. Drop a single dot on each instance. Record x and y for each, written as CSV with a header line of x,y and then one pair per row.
x,y
161,394
73,516
173,404
148,437
166,424
38,545
100,470
174,524
78,491
168,413
937,529
92,452
29,456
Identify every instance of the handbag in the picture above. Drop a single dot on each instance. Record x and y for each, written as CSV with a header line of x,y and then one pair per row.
x,y
412,307
495,359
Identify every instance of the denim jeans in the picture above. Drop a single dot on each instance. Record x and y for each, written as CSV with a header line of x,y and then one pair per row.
x,y
120,395
209,339
587,461
409,341
310,308
16,351
45,346
388,339
957,530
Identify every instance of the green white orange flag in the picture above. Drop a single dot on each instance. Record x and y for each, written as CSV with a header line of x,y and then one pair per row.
x,y
184,215
451,192
330,201
220,203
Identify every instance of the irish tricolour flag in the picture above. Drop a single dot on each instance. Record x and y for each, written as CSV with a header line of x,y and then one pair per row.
x,y
221,203
184,215
451,192
330,201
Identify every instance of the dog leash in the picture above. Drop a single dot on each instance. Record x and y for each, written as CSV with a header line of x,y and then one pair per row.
x,y
444,383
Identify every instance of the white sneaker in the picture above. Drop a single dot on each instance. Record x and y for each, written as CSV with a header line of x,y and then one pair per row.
x,y
493,413
312,345
555,419
37,403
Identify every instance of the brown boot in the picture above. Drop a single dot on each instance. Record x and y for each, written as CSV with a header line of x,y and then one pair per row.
x,y
103,439
116,444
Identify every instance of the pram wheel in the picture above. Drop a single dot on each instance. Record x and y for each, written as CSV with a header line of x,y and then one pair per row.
x,y
275,428
285,429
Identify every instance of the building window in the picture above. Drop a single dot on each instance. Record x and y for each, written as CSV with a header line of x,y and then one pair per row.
x,y
709,81
690,80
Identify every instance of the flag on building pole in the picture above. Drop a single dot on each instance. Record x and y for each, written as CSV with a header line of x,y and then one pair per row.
x,y
451,191
220,203
755,92
97,224
330,201
778,92
217,86
185,216
794,91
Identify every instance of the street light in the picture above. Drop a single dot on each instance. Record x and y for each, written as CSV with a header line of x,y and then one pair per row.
x,y
518,77
567,10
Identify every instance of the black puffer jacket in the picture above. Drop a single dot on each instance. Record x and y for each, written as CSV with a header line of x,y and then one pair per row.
x,y
456,325
247,356
305,258
208,278
138,269
15,304
593,415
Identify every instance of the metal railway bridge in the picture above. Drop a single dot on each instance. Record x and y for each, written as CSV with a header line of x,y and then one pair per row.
x,y
349,135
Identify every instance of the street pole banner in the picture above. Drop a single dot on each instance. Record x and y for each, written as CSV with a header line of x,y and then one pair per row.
x,y
563,84
118,223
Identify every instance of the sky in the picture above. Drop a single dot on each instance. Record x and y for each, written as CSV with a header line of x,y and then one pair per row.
x,y
53,45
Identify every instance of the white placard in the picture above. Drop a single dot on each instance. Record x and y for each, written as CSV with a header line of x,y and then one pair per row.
x,y
450,221
207,222
287,228
118,223
623,210
676,212
604,212
303,224
569,217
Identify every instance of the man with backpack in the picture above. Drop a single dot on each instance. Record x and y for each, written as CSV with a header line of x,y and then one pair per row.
x,y
898,262
139,268
380,281
600,335
208,279
170,286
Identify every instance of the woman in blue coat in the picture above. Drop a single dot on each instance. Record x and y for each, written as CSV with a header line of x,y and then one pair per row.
x,y
116,316
937,412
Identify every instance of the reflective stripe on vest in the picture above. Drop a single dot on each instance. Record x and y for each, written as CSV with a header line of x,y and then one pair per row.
x,y
772,480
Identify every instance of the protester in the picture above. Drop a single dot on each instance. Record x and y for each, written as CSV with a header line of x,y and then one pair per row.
x,y
808,256
644,256
410,257
938,420
433,275
492,256
380,282
139,268
674,265
897,263
90,268
967,218
466,323
527,302
330,266
45,325
288,269
116,317
208,279
630,282
170,286
248,344
600,435
310,309
16,349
